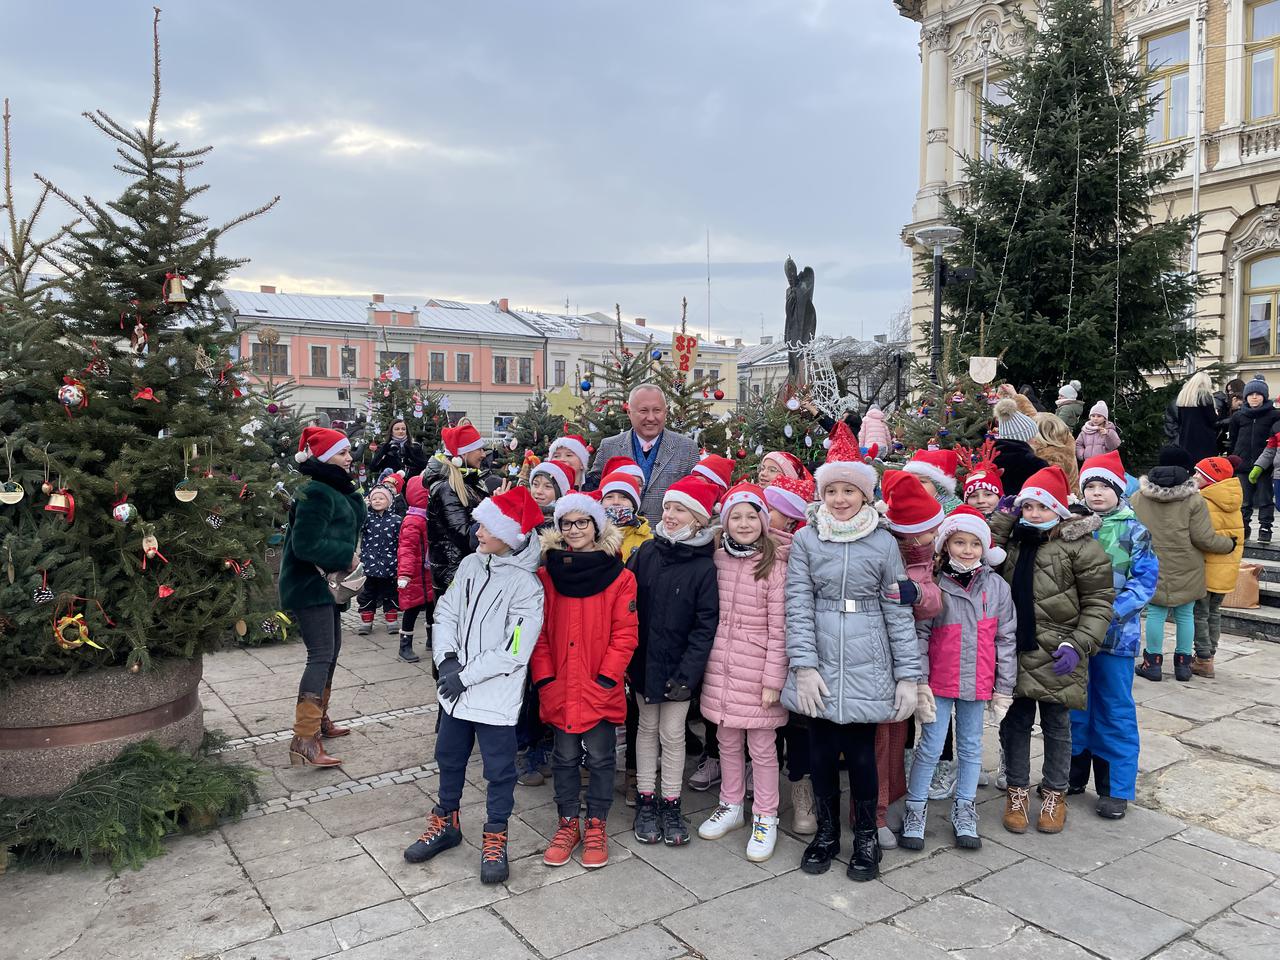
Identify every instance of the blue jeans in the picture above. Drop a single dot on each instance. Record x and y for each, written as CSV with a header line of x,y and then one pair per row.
x,y
968,749
455,740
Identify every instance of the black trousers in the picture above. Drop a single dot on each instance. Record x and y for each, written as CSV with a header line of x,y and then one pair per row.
x,y
793,738
455,740
600,744
321,629
378,591
857,741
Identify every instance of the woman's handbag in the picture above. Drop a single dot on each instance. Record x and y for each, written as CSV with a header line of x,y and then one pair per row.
x,y
344,586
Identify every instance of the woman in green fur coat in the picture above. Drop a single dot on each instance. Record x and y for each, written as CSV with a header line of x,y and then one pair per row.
x,y
322,539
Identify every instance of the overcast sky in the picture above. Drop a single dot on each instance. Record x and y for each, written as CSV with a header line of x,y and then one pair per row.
x,y
510,148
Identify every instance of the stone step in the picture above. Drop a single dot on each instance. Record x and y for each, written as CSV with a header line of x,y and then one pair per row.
x,y
1260,624
1270,569
1253,550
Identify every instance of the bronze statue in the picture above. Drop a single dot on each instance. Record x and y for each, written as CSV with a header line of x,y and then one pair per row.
x,y
802,319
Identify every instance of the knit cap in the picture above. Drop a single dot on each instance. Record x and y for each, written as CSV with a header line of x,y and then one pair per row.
x,y
1013,424
1069,391
1215,469
983,476
1175,456
1257,385
1101,408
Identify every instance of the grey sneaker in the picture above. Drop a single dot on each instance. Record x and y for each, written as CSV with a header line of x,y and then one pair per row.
x,y
888,839
944,780
914,823
706,776
964,820
1002,776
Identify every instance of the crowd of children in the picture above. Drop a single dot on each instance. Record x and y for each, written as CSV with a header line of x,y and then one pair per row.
x,y
852,619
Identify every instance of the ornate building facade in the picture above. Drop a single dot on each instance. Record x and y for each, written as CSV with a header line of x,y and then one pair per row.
x,y
1215,65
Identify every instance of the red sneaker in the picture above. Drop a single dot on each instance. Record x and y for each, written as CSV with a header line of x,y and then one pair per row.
x,y
563,843
595,845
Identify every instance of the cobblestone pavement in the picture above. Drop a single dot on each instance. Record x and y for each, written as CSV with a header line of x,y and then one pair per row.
x,y
315,870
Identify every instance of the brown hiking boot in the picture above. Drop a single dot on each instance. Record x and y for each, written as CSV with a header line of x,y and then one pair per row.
x,y
305,748
1053,811
563,843
595,845
1015,809
1202,667
328,729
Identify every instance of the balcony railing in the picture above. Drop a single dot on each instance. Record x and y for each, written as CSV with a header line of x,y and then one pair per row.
x,y
1260,140
1158,154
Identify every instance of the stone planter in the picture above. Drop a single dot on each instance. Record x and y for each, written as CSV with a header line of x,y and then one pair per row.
x,y
54,728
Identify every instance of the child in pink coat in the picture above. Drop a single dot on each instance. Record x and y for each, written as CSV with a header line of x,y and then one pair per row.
x,y
875,431
747,668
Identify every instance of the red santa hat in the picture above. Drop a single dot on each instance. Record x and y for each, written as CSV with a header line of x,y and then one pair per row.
x,y
1106,467
694,494
788,463
393,480
588,503
983,476
558,472
509,516
968,520
790,497
844,463
912,508
321,443
936,465
460,440
623,465
1047,487
742,493
717,469
573,443
624,483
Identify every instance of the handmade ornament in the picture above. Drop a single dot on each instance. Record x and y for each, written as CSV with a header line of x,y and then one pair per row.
x,y
146,393
151,548
788,431
123,511
173,292
240,627
70,632
759,449
215,520
277,624
72,394
808,440
204,363
185,491
793,404
138,340
164,591
11,491
61,501
982,370
42,594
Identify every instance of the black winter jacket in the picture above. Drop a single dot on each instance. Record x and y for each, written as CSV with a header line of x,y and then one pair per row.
x,y
448,523
1248,432
1017,461
408,456
1194,429
678,603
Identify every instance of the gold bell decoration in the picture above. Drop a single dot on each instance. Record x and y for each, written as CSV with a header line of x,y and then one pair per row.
x,y
173,289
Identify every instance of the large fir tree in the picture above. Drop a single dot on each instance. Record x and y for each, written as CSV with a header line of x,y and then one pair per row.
x,y
144,426
1075,277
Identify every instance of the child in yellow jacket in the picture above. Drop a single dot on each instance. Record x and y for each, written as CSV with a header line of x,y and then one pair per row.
x,y
1223,496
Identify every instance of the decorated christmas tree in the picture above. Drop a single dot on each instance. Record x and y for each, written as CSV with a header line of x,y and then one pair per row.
x,y
391,397
537,426
956,412
278,421
775,421
603,410
150,497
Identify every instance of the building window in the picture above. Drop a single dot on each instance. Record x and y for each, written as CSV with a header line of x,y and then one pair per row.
x,y
560,373
755,389
437,366
394,358
319,361
996,93
348,360
1167,56
1262,55
526,370
462,367
499,369
1262,287
271,358
714,374
697,373
456,417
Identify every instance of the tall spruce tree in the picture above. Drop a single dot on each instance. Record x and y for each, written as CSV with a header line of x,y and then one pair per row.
x,y
144,431
1076,278
537,426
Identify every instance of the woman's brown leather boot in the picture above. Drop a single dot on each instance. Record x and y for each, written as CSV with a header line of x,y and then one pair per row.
x,y
305,748
328,729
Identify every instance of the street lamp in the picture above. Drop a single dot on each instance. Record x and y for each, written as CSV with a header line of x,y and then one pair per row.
x,y
940,237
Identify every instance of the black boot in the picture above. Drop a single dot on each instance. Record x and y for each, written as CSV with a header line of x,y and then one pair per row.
x,y
1152,667
675,832
427,644
406,648
825,845
443,833
864,864
647,828
493,854
1109,807
1078,779
1182,666
1264,533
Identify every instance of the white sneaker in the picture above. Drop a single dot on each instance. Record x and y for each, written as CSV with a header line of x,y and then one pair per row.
x,y
944,780
888,839
764,834
725,817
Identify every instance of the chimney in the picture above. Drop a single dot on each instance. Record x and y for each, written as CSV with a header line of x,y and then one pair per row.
x,y
766,341
266,288
378,298
504,305
737,341
639,321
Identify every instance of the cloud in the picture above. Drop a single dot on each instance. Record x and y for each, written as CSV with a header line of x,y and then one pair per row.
x,y
350,139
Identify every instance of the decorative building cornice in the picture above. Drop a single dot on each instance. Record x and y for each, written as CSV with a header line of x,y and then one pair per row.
x,y
1143,7
1262,234
936,135
935,38
986,40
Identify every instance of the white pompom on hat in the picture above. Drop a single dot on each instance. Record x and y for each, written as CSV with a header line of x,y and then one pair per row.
x,y
509,516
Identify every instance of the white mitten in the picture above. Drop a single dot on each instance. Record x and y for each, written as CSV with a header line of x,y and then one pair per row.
x,y
904,700
810,689
926,706
998,706
402,582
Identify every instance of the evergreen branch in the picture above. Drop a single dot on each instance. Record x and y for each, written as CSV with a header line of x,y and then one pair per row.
x,y
130,138
66,198
244,217
155,77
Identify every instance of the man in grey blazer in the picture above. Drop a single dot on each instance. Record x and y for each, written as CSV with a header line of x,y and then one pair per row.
x,y
664,455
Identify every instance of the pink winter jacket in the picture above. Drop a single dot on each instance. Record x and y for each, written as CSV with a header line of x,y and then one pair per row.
x,y
970,647
750,648
875,430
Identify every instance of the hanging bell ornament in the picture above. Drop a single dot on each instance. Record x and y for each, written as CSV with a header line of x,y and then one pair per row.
x,y
173,291
61,501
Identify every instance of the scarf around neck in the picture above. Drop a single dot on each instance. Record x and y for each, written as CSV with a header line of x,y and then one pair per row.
x,y
736,549
1024,595
856,527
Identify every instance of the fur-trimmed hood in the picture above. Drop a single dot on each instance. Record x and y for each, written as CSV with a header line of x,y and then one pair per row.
x,y
1165,494
609,541
1077,527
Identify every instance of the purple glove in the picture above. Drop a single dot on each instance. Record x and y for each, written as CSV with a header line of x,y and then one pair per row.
x,y
1065,659
1005,505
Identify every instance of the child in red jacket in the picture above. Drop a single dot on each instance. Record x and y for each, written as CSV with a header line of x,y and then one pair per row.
x,y
413,570
589,633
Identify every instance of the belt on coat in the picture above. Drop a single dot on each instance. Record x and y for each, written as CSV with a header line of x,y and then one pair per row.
x,y
848,604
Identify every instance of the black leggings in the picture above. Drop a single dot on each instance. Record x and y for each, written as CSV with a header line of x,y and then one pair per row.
x,y
322,635
409,619
794,737
857,741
